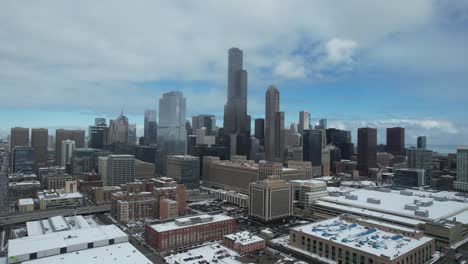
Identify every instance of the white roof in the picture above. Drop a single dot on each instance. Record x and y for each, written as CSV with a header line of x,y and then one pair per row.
x,y
394,203
172,225
206,253
58,223
26,245
244,238
34,228
121,253
370,240
26,201
60,196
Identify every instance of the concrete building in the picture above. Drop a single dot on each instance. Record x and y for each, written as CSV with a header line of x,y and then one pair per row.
x,y
206,121
274,126
421,159
244,242
150,128
367,150
349,240
26,205
68,147
269,168
136,206
119,130
304,121
144,170
395,141
19,137
78,136
462,169
56,181
120,169
39,143
230,196
305,166
22,160
168,209
71,186
102,195
184,232
421,142
409,177
53,199
175,192
270,199
185,170
306,192
55,172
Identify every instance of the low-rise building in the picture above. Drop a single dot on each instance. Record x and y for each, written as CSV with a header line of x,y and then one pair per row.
x,y
127,207
102,195
53,199
244,242
306,192
188,231
343,240
26,205
167,209
409,177
230,196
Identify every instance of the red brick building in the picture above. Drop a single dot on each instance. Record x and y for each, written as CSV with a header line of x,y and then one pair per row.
x,y
244,242
188,231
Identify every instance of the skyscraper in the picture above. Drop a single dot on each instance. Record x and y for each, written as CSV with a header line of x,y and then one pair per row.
x,y
39,142
462,169
22,159
270,199
421,142
119,169
68,146
19,137
65,134
150,129
421,159
172,134
322,124
367,150
98,134
118,130
274,126
207,121
260,130
396,141
304,121
131,140
312,146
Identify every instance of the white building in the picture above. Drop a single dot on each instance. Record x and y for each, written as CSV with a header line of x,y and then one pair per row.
x,y
68,146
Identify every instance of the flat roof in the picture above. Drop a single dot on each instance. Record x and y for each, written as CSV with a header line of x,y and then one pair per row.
x,y
244,238
26,201
121,253
31,244
206,253
41,195
394,203
172,224
370,240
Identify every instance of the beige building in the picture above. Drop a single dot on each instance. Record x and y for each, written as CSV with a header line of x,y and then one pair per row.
x,y
19,137
102,195
168,209
57,181
270,199
144,170
268,168
26,205
53,199
305,166
128,207
349,239
71,186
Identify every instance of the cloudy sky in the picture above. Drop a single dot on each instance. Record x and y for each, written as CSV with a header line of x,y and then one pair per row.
x,y
356,63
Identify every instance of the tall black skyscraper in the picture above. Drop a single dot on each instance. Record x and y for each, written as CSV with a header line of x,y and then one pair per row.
x,y
236,121
260,130
98,134
396,141
274,126
312,146
367,150
421,142
150,129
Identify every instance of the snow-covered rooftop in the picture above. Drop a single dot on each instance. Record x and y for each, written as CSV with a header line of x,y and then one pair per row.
x,y
190,221
370,240
394,203
40,227
26,201
244,238
122,253
207,253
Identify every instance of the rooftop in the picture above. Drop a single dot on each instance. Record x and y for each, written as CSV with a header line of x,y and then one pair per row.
x,y
52,195
26,201
244,238
207,253
370,240
121,253
190,221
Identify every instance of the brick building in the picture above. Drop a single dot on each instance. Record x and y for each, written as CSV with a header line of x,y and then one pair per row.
x,y
244,242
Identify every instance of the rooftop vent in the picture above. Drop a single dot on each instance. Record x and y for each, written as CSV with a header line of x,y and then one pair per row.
x,y
373,200
351,197
407,193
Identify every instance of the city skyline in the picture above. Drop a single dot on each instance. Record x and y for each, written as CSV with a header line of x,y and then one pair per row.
x,y
353,75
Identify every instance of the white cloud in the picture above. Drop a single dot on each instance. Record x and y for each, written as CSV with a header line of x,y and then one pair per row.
x,y
340,50
290,70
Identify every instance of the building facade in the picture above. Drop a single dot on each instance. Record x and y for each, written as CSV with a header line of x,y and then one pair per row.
x,y
462,169
185,170
367,150
39,143
395,141
270,199
274,126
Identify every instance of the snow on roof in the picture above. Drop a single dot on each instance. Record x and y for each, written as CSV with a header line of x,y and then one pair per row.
x,y
370,240
121,253
34,228
26,201
206,253
244,238
174,224
56,195
27,245
394,203
77,222
58,223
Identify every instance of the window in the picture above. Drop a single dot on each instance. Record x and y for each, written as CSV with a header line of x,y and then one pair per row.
x,y
90,245
333,253
354,258
33,256
63,250
370,261
111,241
363,260
294,237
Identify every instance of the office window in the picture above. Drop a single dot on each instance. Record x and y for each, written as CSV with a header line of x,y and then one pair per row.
x,y
63,250
90,245
111,241
33,256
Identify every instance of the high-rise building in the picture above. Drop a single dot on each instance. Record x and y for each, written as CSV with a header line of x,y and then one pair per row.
x,y
396,141
260,130
185,170
98,134
68,147
312,146
65,134
322,124
421,159
274,126
22,160
118,130
409,177
270,199
131,134
120,169
462,169
367,150
19,137
39,138
421,142
304,121
206,121
150,129
172,134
